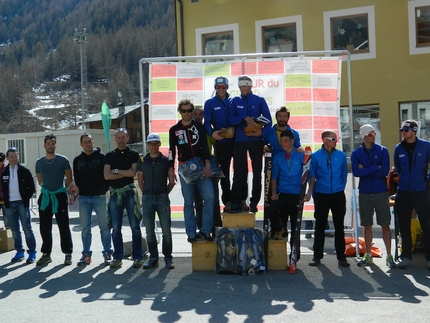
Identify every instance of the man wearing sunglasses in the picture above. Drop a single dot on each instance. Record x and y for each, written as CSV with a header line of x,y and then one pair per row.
x,y
216,117
411,159
188,139
329,174
371,163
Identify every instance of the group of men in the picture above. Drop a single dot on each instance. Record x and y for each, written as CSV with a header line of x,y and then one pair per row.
x,y
225,127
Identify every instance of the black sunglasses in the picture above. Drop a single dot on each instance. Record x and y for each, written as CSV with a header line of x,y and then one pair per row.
x,y
183,110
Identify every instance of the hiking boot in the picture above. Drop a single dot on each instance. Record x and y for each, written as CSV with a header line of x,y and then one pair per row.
x,y
244,206
68,259
390,262
206,236
227,207
20,256
107,258
137,263
278,235
85,260
169,264
192,239
365,261
235,208
45,259
152,263
31,257
343,263
253,209
116,263
404,263
315,262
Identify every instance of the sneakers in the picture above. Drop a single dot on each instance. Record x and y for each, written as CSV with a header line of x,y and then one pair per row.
x,y
227,207
278,235
343,263
152,263
244,206
20,256
404,263
390,262
31,257
137,263
45,259
116,263
366,261
192,239
68,259
169,264
206,236
253,209
107,258
315,262
235,208
85,260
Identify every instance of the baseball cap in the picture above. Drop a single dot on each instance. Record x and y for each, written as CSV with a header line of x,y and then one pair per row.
x,y
153,137
221,80
366,129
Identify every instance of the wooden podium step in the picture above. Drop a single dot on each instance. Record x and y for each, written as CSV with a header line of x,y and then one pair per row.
x,y
203,255
238,220
277,255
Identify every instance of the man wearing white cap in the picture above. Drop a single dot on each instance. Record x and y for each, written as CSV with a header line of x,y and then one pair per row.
x,y
156,182
371,163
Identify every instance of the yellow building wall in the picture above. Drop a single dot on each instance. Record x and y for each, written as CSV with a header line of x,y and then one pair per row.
x,y
394,76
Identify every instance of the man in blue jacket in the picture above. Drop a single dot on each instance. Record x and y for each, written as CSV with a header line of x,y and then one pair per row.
x,y
245,108
371,163
329,172
411,159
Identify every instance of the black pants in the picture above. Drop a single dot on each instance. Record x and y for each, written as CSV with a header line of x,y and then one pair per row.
x,y
405,203
335,202
62,218
224,154
240,177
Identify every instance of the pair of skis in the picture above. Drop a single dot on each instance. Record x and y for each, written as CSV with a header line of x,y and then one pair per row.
x,y
295,250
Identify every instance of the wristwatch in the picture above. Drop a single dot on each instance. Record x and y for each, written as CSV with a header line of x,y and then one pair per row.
x,y
116,171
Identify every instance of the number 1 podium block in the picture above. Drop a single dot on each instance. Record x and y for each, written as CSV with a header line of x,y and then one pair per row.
x,y
238,220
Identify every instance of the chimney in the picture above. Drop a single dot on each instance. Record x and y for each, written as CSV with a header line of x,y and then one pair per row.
x,y
120,105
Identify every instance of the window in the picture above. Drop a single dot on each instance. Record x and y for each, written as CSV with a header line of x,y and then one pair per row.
x,y
19,145
279,35
422,15
217,40
419,27
351,29
419,111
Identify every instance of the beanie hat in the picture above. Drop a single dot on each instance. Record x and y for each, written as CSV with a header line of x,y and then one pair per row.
x,y
365,129
221,80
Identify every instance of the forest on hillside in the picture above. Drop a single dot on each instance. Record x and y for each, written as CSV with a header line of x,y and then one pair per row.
x,y
37,47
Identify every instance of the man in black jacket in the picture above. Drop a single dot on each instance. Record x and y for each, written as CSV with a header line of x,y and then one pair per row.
x,y
18,188
91,186
156,182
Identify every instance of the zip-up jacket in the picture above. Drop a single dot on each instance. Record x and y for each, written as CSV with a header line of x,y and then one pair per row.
x,y
376,165
288,172
248,106
190,141
216,115
330,172
154,174
413,176
272,138
25,185
88,173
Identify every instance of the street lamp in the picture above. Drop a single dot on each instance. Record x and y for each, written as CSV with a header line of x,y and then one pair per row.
x,y
81,38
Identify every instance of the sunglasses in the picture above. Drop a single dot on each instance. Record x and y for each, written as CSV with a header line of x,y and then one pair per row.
x,y
331,139
407,129
184,111
371,134
121,130
221,87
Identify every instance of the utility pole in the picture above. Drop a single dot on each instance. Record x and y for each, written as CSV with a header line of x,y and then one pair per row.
x,y
81,38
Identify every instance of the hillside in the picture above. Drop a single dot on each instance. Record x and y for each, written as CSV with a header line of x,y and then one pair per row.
x,y
40,60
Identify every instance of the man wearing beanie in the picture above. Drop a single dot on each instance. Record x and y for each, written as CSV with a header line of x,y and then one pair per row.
x,y
216,117
411,159
371,163
245,108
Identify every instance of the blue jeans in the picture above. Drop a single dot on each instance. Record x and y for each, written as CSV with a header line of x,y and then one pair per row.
x,y
16,213
116,212
159,203
86,206
206,190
